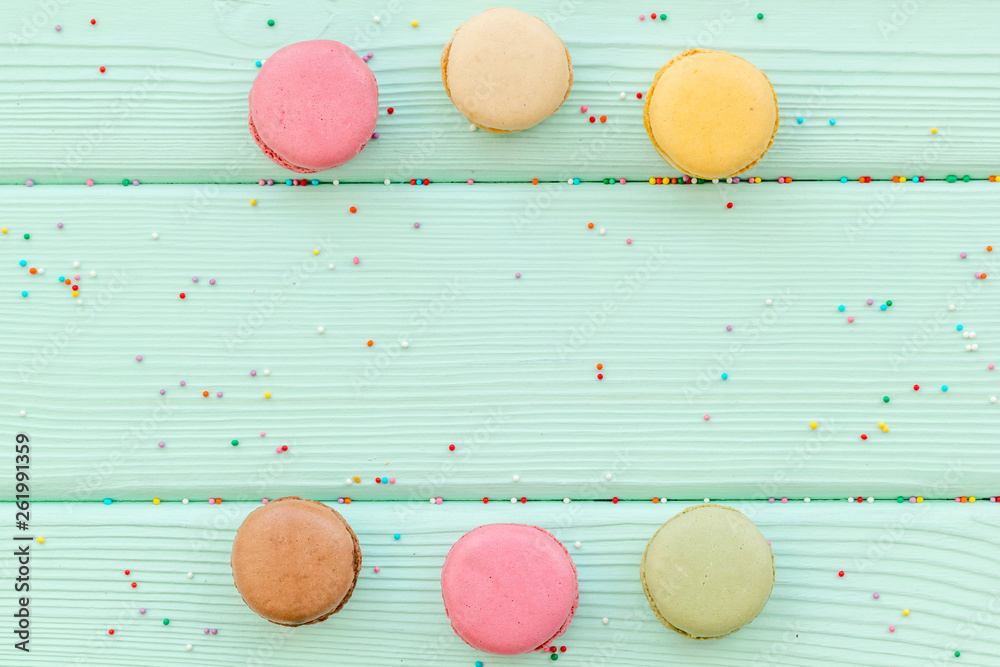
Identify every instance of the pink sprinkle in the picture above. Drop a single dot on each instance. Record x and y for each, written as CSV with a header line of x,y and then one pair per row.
x,y
357,261
628,241
211,501
770,500
781,179
850,319
295,181
736,179
374,135
253,373
729,327
183,383
59,225
416,225
962,255
142,610
218,394
340,501
262,434
392,480
958,499
90,182
869,302
993,499
136,182
215,631
707,417
206,631
470,181
517,275
29,182
784,500
277,449
212,281
162,392
439,500
76,277
377,569
270,182
138,357
583,109
621,181
875,595
913,499
892,628
58,27
194,279
260,182
642,17
686,179
991,366
161,444
263,501
371,55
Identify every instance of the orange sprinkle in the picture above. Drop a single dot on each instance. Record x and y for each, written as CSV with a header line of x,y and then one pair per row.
x,y
604,119
993,179
205,394
895,179
983,276
788,179
357,480
534,181
989,248
861,180
590,225
370,343
32,270
659,181
67,281
347,501
655,499
354,209
600,366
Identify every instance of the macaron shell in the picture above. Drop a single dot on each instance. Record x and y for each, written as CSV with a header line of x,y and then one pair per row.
x,y
506,70
711,114
509,588
313,106
295,561
707,572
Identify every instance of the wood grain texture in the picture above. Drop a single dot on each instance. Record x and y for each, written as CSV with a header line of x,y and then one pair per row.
x,y
936,559
172,105
504,367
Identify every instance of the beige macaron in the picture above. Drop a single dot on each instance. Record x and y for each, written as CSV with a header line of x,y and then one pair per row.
x,y
711,114
707,572
506,70
295,561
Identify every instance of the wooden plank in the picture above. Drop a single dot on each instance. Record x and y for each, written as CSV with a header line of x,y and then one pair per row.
x,y
172,107
504,367
936,559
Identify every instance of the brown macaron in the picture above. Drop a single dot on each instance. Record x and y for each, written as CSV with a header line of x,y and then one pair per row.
x,y
295,561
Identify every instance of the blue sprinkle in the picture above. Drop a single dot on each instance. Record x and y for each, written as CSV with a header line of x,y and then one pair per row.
x,y
944,387
257,63
396,536
24,293
883,307
843,179
288,182
576,181
959,327
800,120
479,663
107,501
315,181
833,121
725,376
23,263
62,278
841,308
385,480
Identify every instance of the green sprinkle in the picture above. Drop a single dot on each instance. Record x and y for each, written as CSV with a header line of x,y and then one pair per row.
x,y
760,17
166,621
124,181
966,178
605,181
951,179
234,443
27,236
958,653
888,302
885,399
900,499
270,22
555,656
663,17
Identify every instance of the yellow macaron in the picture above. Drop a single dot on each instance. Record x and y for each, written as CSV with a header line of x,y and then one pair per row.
x,y
711,114
506,70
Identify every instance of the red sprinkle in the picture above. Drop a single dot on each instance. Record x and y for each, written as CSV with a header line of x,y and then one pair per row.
x,y
183,295
390,110
916,387
592,119
864,437
562,649
111,632
524,500
134,584
600,376
486,500
614,500
451,448
729,205
638,96
354,209
128,572
94,22
102,69
840,574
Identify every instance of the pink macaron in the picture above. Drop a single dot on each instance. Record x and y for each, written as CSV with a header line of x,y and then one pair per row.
x,y
509,588
313,106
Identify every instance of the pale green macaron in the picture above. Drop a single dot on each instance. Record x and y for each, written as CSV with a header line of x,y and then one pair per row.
x,y
707,572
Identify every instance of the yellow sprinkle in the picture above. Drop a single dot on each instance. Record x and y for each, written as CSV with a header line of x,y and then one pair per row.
x,y
4,230
881,424
41,540
813,425
253,202
972,499
933,130
316,251
758,179
156,501
76,292
414,24
906,612
652,181
920,499
357,480
267,394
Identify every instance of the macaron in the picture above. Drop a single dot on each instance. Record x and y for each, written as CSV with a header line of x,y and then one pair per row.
x,y
295,561
711,114
313,105
707,572
506,70
509,588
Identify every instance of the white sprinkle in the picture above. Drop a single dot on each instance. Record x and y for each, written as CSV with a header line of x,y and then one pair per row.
x,y
870,499
806,499
190,575
185,501
694,181
968,348
972,334
975,346
729,180
93,274
566,501
386,181
188,647
850,500
663,499
266,372
608,477
336,181
472,127
621,96
79,302
375,19
576,544
604,621
23,413
41,271
330,267
517,478
993,399
603,231
155,236
951,307
706,500
76,265
715,180
569,181
404,345
965,334
769,302
349,481
320,329
433,502
513,501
